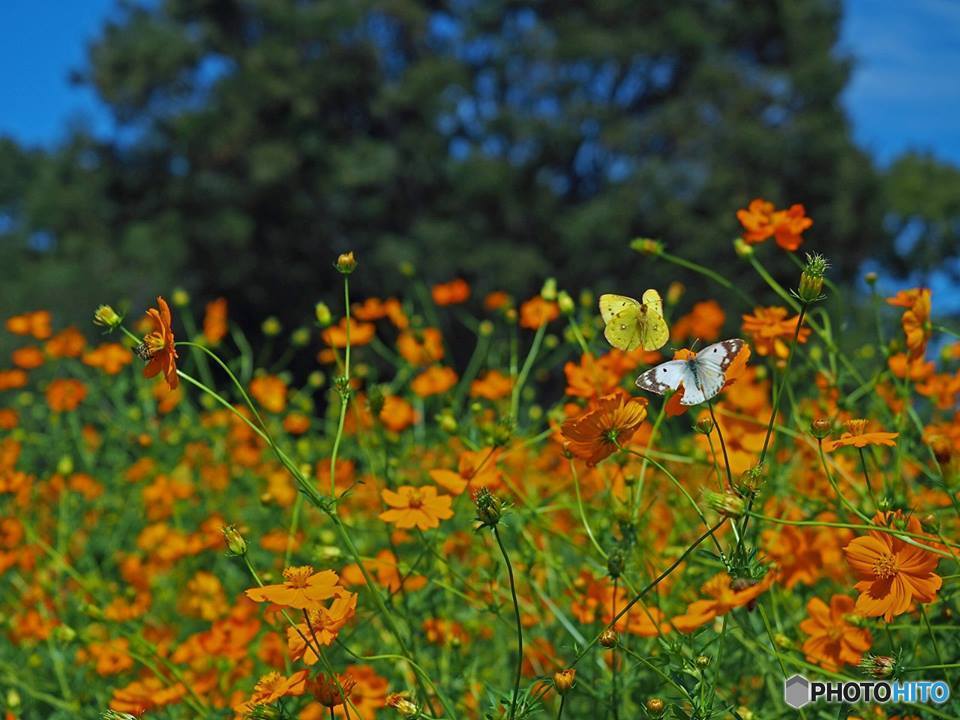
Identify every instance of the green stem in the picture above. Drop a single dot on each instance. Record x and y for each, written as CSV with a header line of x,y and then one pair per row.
x,y
525,371
516,612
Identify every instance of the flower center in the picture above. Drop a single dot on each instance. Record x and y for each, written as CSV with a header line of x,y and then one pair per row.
x,y
885,567
154,343
297,576
856,427
415,499
835,633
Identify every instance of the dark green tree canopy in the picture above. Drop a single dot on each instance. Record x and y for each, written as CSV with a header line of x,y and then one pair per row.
x,y
501,141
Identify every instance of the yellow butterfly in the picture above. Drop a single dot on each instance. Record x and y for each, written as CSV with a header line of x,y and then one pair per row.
x,y
631,324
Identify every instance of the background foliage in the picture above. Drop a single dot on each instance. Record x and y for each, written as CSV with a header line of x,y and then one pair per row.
x,y
501,141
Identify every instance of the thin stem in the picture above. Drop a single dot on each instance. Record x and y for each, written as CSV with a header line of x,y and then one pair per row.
x,y
516,612
563,699
613,654
525,372
866,477
723,444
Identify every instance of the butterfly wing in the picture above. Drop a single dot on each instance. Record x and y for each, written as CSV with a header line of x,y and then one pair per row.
x,y
651,326
621,315
711,366
666,376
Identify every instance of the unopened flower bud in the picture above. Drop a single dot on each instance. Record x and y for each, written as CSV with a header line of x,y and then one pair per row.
x,y
930,523
235,542
675,291
346,263
564,680
271,327
489,508
811,279
880,667
870,279
727,504
447,422
180,297
820,428
609,638
566,303
615,564
485,328
742,248
750,482
549,289
402,705
106,316
646,246
656,706
702,661
704,426
300,337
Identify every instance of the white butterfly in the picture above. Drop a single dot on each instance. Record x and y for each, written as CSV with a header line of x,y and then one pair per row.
x,y
702,377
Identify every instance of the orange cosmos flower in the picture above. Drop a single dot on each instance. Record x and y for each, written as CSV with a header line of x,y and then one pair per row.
x,y
9,419
330,692
324,626
397,414
36,323
270,391
111,656
301,588
11,379
725,594
492,385
360,333
66,343
761,221
916,324
271,687
905,367
770,330
593,377
296,423
451,293
421,347
757,220
595,434
418,507
64,395
387,572
497,300
834,641
109,357
158,346
215,321
477,469
892,573
942,389
28,358
536,312
856,436
433,381
704,321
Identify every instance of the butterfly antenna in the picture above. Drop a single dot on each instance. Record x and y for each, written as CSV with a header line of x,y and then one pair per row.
x,y
695,343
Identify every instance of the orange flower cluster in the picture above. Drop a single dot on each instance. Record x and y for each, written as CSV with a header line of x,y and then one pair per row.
x,y
771,331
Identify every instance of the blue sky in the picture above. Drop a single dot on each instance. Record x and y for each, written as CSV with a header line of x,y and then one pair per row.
x,y
905,92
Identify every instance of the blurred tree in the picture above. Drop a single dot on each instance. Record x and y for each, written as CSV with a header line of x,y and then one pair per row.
x,y
922,205
500,140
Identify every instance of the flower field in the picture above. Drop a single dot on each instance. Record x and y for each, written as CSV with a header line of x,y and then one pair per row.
x,y
519,527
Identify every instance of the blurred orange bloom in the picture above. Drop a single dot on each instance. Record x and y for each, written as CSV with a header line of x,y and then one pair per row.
x,y
916,369
109,357
433,381
360,333
725,594
158,346
476,469
418,507
324,626
301,588
387,572
65,394
270,391
421,347
11,379
215,321
593,377
770,330
536,312
703,322
892,573
761,221
36,323
916,324
397,414
69,342
496,300
451,293
28,358
856,436
492,385
834,640
595,434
